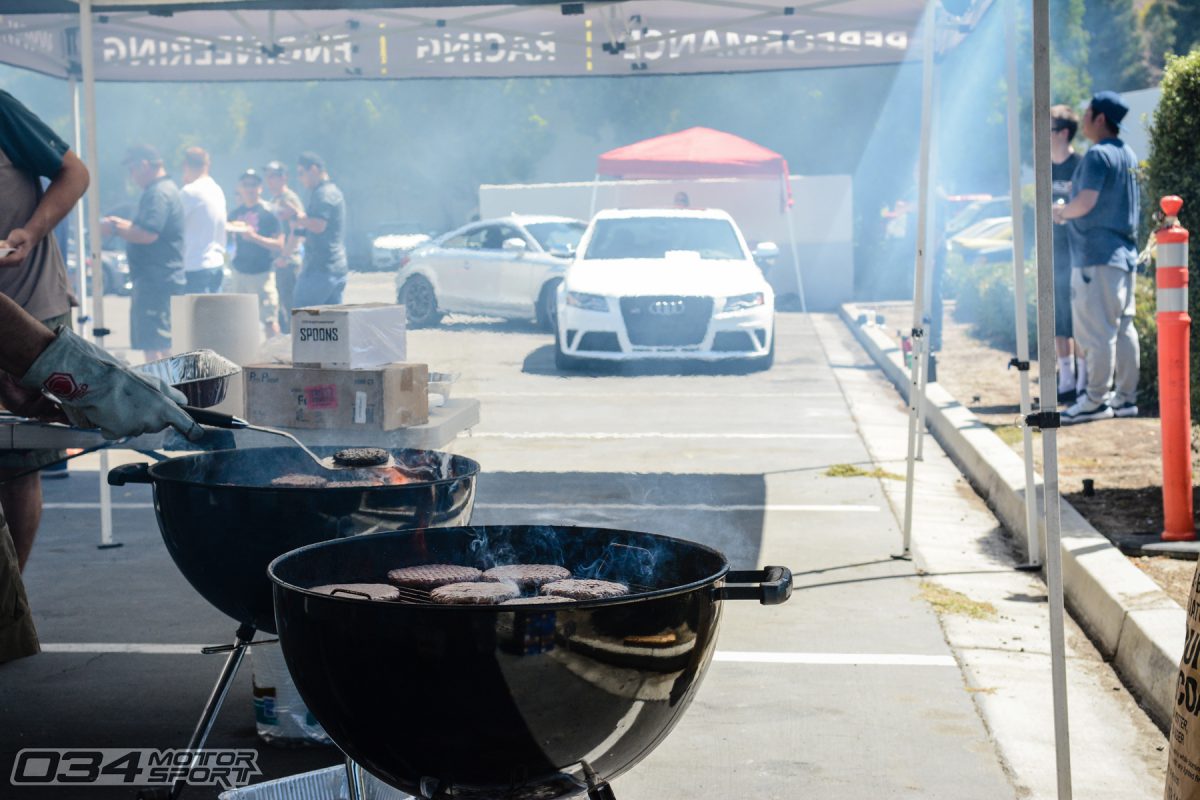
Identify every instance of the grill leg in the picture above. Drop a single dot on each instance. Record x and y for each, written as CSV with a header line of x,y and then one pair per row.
x,y
209,716
601,791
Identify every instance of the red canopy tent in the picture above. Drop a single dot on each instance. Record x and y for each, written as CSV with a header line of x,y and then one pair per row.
x,y
702,153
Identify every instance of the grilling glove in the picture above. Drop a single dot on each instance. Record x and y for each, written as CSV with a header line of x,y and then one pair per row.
x,y
96,391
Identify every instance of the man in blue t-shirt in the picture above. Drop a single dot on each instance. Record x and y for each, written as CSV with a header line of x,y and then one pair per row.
x,y
1101,220
322,223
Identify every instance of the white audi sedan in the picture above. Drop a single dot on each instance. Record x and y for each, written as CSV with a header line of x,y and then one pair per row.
x,y
666,284
508,267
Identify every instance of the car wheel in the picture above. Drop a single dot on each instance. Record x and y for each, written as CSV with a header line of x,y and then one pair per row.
x,y
420,303
547,306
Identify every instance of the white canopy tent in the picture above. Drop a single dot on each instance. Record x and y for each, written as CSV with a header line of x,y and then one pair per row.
x,y
252,40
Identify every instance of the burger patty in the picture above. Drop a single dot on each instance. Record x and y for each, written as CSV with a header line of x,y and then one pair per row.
x,y
475,594
299,480
529,577
373,591
431,576
585,589
539,600
360,457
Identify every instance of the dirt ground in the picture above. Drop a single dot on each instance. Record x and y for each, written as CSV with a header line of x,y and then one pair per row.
x,y
1121,456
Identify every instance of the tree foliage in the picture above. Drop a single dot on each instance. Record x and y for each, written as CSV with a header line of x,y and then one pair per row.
x,y
1115,46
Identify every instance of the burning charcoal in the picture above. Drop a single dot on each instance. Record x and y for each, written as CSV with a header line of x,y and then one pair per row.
x,y
580,589
474,594
431,576
362,591
360,457
529,577
299,481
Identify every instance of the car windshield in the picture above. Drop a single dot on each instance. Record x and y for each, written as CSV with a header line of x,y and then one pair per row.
x,y
654,237
557,237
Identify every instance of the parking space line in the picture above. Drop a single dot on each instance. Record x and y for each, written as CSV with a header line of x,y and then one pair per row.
x,y
706,507
725,656
655,435
641,395
837,659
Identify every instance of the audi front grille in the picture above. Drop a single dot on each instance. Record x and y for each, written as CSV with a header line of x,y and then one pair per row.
x,y
666,321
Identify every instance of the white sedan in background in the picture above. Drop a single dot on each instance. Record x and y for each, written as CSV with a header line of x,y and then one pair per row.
x,y
508,267
666,284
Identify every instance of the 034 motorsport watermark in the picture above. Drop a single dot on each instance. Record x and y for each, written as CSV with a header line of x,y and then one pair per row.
x,y
133,767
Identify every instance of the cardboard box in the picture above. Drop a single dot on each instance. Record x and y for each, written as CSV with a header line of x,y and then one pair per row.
x,y
382,399
349,337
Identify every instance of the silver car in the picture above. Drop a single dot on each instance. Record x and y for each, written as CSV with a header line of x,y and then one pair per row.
x,y
509,267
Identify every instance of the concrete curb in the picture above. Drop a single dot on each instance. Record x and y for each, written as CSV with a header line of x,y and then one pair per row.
x,y
1129,618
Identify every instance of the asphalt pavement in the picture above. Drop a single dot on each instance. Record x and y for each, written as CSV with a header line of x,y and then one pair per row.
x,y
849,690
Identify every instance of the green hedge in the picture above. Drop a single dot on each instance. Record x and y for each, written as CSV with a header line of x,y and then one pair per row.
x,y
1173,167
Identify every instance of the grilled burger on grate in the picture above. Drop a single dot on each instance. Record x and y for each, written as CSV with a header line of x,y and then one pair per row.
x,y
298,480
430,576
529,577
373,591
360,457
585,589
542,599
474,594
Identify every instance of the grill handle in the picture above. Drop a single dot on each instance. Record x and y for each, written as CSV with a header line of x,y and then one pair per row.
x,y
769,585
129,473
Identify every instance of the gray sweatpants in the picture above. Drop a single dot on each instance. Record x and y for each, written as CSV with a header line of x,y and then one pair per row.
x,y
1102,309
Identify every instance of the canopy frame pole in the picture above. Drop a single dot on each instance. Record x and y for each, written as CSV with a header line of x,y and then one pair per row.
x,y
595,192
1046,365
83,317
914,390
924,348
96,239
787,213
1033,553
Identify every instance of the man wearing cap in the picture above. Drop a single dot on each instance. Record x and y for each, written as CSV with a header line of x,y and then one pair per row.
x,y
204,215
286,205
155,251
1101,219
322,223
259,240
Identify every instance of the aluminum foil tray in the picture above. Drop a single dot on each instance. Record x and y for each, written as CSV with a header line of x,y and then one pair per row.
x,y
323,784
202,375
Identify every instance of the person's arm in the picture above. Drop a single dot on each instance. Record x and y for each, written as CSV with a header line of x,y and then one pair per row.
x,y
315,225
64,191
1080,206
22,338
127,230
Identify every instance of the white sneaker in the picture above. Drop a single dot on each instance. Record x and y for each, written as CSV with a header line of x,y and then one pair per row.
x,y
1084,410
1125,410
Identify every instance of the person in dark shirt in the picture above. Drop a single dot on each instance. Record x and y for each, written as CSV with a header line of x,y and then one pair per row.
x,y
1101,219
323,223
155,251
1063,160
259,239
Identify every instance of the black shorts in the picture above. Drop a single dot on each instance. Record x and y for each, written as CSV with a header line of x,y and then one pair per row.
x,y
150,313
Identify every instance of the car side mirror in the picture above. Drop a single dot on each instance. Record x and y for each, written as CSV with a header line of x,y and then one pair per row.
x,y
515,245
766,253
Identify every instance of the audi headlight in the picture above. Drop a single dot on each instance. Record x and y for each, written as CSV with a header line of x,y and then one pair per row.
x,y
588,302
743,301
